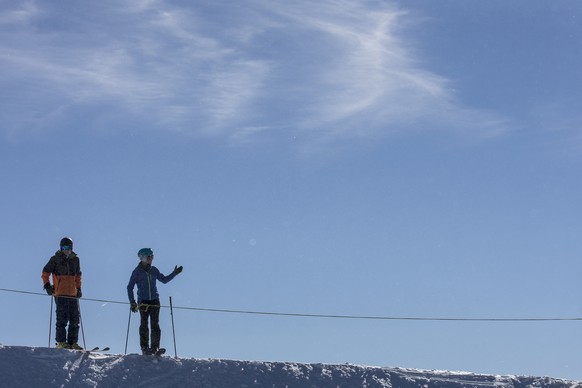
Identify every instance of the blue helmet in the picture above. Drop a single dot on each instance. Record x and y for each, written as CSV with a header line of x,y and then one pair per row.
x,y
145,252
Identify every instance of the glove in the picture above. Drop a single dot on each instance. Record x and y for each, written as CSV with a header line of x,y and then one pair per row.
x,y
79,293
49,289
133,307
177,269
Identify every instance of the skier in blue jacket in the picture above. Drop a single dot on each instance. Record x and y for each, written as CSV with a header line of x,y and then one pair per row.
x,y
148,299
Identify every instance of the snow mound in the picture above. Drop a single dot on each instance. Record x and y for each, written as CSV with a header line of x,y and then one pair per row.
x,y
43,367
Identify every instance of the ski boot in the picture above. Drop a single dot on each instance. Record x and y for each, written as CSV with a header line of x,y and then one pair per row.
x,y
75,346
158,351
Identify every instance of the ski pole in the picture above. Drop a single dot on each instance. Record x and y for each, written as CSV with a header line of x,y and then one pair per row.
x,y
127,335
81,322
50,322
173,331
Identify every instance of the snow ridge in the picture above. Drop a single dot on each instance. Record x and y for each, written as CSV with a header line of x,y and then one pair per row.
x,y
43,367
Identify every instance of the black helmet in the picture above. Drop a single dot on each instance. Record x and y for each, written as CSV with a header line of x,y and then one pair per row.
x,y
66,241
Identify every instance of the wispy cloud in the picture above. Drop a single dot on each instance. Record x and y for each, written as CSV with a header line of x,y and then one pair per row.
x,y
339,68
23,13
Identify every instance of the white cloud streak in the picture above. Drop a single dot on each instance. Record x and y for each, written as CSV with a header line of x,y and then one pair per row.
x,y
338,68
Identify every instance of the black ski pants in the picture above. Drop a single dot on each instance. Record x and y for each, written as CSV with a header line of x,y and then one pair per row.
x,y
149,310
67,313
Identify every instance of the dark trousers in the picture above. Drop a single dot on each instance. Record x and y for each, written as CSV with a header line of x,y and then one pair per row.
x,y
149,310
67,313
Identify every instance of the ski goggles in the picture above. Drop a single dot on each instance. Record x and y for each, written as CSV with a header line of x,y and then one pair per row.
x,y
66,248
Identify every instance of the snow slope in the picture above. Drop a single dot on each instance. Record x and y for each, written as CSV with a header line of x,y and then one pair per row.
x,y
43,367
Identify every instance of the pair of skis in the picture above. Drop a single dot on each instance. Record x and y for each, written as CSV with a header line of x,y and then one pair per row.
x,y
158,353
95,349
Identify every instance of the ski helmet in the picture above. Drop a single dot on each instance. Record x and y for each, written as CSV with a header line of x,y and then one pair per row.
x,y
144,252
66,241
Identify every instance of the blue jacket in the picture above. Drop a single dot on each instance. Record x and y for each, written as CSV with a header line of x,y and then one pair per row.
x,y
145,277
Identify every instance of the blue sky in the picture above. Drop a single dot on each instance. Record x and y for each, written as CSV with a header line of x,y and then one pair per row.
x,y
387,158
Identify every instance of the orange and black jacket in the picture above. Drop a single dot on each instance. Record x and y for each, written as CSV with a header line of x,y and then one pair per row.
x,y
66,273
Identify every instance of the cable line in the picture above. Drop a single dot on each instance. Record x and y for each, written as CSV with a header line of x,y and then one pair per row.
x,y
331,316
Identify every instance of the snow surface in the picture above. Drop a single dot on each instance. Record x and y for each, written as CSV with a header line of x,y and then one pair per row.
x,y
48,367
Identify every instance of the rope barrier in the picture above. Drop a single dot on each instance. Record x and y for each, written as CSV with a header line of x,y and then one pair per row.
x,y
360,317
